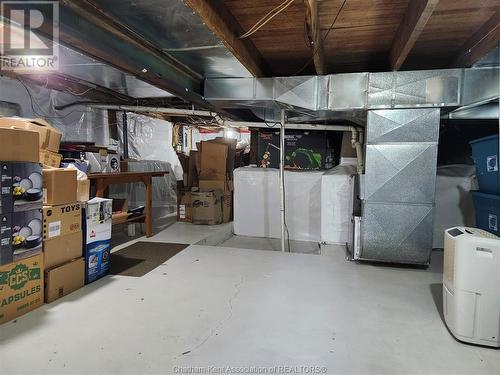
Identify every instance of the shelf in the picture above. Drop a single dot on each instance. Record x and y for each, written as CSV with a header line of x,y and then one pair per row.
x,y
133,219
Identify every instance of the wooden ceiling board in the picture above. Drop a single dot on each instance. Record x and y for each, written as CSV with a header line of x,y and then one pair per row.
x,y
363,34
282,38
361,12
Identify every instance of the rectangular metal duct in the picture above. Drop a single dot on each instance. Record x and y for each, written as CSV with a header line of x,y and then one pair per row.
x,y
357,91
399,185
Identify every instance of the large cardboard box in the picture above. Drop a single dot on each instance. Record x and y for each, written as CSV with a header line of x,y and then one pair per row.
x,y
50,159
49,137
184,208
231,153
20,186
21,287
20,235
59,186
304,150
213,159
62,249
206,207
19,145
83,190
226,187
64,279
97,237
61,220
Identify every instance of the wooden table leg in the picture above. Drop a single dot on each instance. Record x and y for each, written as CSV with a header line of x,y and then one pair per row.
x,y
148,221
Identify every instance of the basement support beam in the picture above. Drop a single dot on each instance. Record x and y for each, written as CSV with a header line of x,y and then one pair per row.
x,y
480,43
413,23
315,34
221,21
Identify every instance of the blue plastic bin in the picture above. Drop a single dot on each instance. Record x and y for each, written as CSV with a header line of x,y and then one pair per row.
x,y
487,208
485,155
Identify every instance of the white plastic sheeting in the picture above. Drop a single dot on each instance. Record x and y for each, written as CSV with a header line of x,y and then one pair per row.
x,y
454,205
257,203
150,139
164,191
337,189
76,123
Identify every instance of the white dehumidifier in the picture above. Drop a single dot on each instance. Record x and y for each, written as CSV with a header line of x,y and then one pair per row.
x,y
471,285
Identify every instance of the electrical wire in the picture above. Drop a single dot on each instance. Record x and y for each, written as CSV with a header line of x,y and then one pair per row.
x,y
79,94
268,17
44,115
322,41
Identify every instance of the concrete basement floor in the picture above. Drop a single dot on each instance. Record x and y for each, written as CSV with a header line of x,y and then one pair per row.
x,y
221,306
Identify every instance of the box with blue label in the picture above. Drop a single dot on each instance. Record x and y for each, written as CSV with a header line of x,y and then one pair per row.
x,y
487,207
485,155
97,235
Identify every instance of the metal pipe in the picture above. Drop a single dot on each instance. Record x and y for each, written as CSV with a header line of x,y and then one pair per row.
x,y
357,145
245,124
125,135
167,111
282,178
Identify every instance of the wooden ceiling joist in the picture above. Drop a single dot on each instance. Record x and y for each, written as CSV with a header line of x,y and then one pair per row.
x,y
416,17
221,21
315,34
479,44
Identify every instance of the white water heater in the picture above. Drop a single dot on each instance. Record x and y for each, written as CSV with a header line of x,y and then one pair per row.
x,y
471,285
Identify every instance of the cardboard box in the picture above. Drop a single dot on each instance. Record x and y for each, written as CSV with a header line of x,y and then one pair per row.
x,y
206,207
226,187
184,206
19,145
50,159
62,249
21,287
82,190
59,186
64,279
20,235
193,171
97,237
304,150
61,220
27,184
49,137
231,153
103,162
213,161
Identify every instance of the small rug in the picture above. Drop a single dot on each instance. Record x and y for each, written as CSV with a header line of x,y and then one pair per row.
x,y
142,257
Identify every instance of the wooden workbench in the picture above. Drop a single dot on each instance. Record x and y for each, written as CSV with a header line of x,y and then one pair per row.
x,y
103,180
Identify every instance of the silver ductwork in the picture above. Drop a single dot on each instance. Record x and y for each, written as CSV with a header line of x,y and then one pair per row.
x,y
399,184
349,96
402,112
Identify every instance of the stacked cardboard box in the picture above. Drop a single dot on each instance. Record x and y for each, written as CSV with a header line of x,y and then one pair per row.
x,y
49,137
21,262
62,229
97,238
206,197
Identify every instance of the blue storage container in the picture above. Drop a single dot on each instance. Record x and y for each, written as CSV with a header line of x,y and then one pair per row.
x,y
487,208
485,155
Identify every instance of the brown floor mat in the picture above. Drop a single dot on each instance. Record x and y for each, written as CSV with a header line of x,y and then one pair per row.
x,y
142,257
